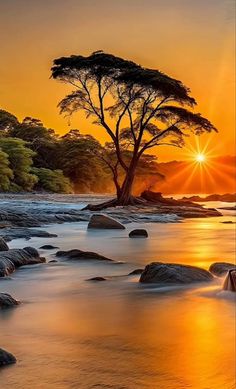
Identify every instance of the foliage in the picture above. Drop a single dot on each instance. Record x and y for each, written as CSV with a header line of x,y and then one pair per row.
x,y
52,180
20,159
6,174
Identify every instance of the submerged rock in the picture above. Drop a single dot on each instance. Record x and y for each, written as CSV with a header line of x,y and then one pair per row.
x,y
171,273
14,258
76,254
230,281
7,301
221,268
48,247
97,279
138,233
135,272
3,245
104,222
6,358
53,261
25,233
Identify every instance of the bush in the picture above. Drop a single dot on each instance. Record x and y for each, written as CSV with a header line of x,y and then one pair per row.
x,y
52,180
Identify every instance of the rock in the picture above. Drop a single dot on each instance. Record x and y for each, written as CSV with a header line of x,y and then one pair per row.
x,y
97,279
48,247
53,261
228,222
3,245
12,259
219,269
104,222
7,301
81,255
171,273
135,272
230,281
25,233
138,233
227,198
6,358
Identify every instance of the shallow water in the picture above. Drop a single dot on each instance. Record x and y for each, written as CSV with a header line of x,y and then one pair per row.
x,y
118,334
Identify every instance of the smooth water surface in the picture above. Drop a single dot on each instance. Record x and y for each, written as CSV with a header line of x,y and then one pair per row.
x,y
118,334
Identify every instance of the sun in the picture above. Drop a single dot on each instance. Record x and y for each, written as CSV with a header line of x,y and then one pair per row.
x,y
200,158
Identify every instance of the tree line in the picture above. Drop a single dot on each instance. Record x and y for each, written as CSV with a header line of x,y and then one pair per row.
x,y
33,157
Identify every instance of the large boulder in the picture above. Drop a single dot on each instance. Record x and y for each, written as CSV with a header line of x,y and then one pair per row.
x,y
6,358
14,258
76,254
171,273
7,301
104,222
138,233
3,245
219,269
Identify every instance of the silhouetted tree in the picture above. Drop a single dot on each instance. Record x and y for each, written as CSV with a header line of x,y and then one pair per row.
x,y
139,108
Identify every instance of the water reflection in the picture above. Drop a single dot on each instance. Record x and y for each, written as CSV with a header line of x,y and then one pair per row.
x,y
73,334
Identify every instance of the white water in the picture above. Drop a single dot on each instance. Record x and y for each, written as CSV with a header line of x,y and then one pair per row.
x,y
71,333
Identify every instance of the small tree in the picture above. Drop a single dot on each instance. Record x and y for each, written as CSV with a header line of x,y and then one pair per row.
x,y
139,108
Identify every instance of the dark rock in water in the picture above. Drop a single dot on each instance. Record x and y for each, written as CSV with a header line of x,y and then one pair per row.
x,y
221,268
228,222
230,281
171,273
3,245
81,255
138,233
53,261
14,258
135,272
101,221
7,301
6,358
31,251
48,247
97,279
25,233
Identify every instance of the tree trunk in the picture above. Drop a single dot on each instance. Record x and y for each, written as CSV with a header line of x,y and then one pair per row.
x,y
125,195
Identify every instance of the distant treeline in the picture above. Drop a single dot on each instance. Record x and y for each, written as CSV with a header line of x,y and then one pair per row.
x,y
33,157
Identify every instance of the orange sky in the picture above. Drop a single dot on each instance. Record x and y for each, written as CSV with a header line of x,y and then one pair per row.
x,y
190,40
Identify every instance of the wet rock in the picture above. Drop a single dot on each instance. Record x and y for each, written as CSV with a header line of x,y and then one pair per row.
x,y
81,255
97,279
12,259
6,358
53,261
48,247
171,273
135,272
3,245
230,281
228,222
104,222
7,301
25,233
219,269
138,233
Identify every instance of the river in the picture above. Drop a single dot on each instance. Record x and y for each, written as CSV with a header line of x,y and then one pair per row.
x,y
69,333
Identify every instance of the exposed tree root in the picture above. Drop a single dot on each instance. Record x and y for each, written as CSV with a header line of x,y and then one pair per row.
x,y
115,203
